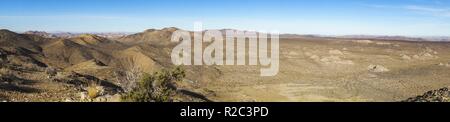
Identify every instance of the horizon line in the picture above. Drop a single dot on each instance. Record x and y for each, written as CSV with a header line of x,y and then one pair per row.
x,y
284,33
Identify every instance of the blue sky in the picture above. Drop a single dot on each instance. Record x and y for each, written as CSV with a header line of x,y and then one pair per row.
x,y
327,17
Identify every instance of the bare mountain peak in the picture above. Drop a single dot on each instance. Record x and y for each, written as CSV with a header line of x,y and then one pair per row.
x,y
89,36
35,32
6,35
4,32
89,39
172,29
40,33
168,29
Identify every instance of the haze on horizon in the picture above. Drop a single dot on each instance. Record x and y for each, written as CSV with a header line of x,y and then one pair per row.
x,y
325,17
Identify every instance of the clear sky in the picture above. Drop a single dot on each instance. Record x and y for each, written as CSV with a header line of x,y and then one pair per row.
x,y
328,17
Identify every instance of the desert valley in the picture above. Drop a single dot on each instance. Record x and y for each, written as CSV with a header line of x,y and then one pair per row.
x,y
38,66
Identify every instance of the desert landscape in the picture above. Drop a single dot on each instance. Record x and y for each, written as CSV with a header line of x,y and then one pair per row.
x,y
39,66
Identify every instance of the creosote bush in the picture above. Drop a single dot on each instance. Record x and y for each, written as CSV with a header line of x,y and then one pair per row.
x,y
157,87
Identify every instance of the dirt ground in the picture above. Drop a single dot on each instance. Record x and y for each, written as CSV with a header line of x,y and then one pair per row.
x,y
340,70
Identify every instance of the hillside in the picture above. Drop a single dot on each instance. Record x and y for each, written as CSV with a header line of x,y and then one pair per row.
x,y
11,39
151,35
37,68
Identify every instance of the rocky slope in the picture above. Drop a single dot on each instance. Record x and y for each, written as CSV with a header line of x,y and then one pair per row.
x,y
440,95
35,67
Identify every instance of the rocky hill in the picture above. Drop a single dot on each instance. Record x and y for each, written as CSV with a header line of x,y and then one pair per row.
x,y
150,35
35,67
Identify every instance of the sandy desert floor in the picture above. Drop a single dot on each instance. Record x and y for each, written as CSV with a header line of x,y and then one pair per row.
x,y
314,69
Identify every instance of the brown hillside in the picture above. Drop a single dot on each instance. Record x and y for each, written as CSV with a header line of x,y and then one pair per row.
x,y
11,39
63,53
151,35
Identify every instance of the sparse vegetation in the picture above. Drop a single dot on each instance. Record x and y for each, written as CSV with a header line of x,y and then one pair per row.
x,y
155,88
127,80
93,90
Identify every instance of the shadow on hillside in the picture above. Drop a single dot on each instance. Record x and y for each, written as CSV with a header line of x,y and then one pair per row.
x,y
25,81
83,80
16,84
18,88
193,94
105,83
111,86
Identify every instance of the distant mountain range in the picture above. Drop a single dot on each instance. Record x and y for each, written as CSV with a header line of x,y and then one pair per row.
x,y
122,35
71,35
405,38
375,37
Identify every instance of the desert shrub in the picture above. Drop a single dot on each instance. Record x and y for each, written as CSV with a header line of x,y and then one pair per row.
x,y
157,87
92,91
128,79
5,71
50,71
